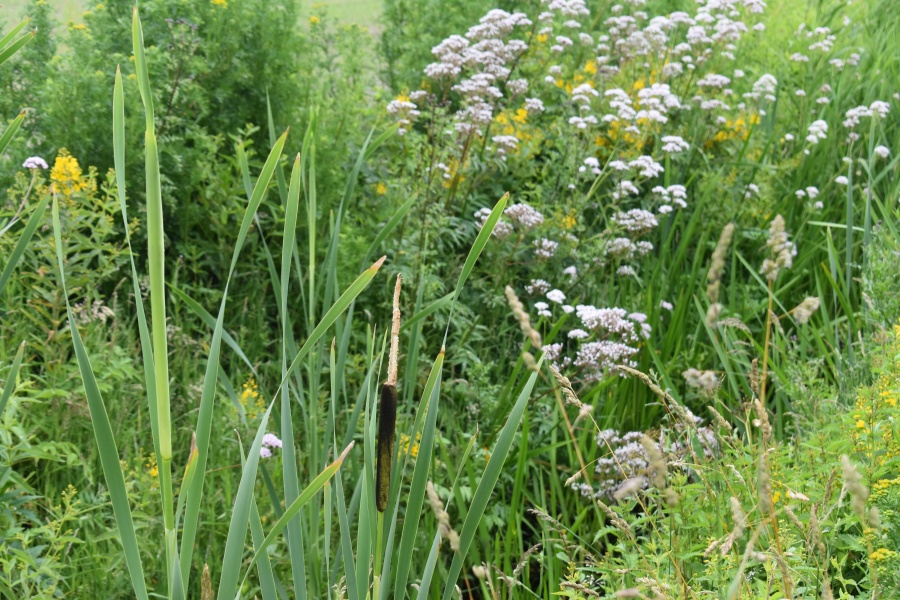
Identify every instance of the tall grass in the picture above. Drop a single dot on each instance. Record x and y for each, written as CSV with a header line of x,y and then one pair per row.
x,y
373,561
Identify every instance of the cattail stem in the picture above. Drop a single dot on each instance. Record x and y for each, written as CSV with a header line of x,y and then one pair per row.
x,y
387,417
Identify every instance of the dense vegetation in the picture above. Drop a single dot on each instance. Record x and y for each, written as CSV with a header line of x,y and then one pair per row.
x,y
563,298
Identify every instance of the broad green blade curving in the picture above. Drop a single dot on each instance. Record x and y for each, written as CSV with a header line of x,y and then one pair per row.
x,y
488,481
305,496
480,242
24,238
288,449
240,517
7,53
416,499
7,38
388,228
207,397
333,313
11,378
7,136
143,328
428,574
103,434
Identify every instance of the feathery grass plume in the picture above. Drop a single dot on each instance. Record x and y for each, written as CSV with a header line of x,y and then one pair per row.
x,y
528,359
584,410
740,523
522,317
524,560
714,276
717,263
658,468
720,420
792,517
206,589
737,515
859,494
443,518
754,377
814,539
803,311
615,519
630,487
781,250
387,418
762,421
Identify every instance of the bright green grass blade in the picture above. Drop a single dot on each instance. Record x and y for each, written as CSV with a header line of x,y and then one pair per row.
x,y
140,65
279,172
346,543
289,461
428,573
146,345
210,322
259,190
103,435
488,481
305,496
19,248
430,396
207,398
264,565
7,38
7,53
333,313
155,259
7,136
480,242
436,305
388,228
240,517
11,378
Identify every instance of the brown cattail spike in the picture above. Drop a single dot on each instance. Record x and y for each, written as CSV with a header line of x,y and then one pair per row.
x,y
387,418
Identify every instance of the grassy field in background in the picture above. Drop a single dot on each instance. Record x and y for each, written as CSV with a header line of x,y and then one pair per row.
x,y
363,12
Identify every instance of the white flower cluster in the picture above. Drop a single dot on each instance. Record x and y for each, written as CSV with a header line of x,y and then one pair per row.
x,y
270,440
818,130
636,220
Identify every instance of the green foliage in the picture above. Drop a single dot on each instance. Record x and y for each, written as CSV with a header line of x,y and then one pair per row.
x,y
720,317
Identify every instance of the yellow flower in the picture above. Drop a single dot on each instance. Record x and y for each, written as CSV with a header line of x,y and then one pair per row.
x,y
405,445
66,174
220,3
314,19
541,38
860,424
250,399
79,26
380,189
590,67
521,116
639,85
151,466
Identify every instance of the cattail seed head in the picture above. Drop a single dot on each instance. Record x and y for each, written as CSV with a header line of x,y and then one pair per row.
x,y
387,418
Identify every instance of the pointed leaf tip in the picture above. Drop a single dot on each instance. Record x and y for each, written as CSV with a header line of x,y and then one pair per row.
x,y
378,263
346,451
